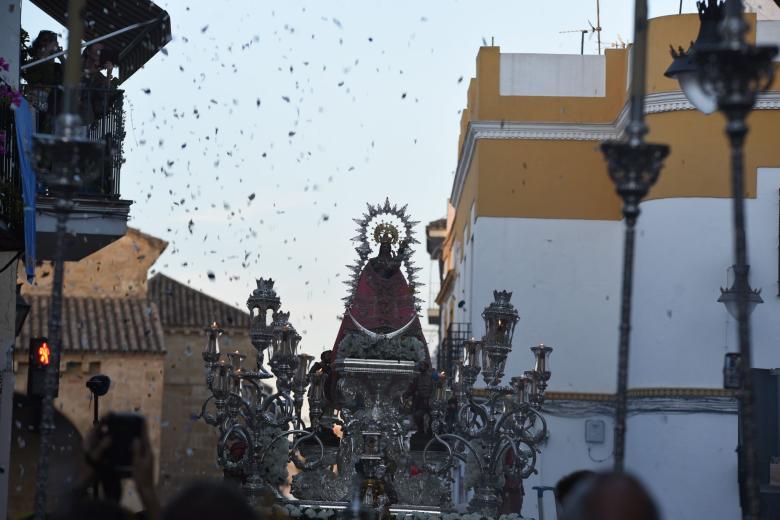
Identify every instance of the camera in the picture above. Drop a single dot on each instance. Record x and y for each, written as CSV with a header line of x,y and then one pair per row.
x,y
122,429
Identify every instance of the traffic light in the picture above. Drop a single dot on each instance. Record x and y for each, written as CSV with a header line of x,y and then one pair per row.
x,y
40,358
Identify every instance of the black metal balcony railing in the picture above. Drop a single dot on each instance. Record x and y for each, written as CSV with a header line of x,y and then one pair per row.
x,y
102,112
11,205
451,349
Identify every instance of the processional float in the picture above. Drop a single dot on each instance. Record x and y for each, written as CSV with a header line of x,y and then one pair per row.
x,y
386,433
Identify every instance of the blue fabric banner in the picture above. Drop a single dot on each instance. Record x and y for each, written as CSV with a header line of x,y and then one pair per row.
x,y
24,132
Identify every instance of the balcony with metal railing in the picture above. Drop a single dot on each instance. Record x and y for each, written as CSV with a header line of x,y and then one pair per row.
x,y
99,214
451,349
102,113
11,220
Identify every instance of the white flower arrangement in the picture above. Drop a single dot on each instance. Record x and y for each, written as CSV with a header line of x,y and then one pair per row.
x,y
360,346
420,515
323,513
274,466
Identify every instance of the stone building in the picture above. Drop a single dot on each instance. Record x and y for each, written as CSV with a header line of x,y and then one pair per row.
x,y
188,446
146,335
109,327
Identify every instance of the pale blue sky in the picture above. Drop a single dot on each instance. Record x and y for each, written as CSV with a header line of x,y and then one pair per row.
x,y
302,104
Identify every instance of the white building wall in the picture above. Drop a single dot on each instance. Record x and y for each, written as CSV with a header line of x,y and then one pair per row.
x,y
573,75
688,463
565,278
10,24
681,334
684,253
562,274
564,453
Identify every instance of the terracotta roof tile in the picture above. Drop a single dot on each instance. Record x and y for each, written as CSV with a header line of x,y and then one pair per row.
x,y
182,306
98,324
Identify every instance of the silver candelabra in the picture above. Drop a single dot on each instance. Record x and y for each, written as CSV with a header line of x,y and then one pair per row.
x,y
253,420
497,430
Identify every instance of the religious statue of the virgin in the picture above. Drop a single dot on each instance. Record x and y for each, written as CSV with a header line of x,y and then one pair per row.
x,y
381,313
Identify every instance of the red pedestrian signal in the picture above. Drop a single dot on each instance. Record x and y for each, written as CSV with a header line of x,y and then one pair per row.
x,y
40,357
44,354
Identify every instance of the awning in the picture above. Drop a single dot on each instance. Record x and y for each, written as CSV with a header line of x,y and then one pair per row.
x,y
134,48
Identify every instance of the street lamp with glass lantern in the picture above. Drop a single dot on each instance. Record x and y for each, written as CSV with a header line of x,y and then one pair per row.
x,y
500,320
732,72
684,67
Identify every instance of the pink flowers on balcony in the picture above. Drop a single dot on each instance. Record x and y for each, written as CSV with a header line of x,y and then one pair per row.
x,y
9,96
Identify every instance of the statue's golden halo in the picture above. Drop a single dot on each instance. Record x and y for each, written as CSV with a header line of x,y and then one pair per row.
x,y
385,233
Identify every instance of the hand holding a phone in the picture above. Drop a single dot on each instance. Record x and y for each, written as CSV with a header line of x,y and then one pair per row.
x,y
119,448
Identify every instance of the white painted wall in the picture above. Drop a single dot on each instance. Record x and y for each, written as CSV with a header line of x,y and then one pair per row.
x,y
10,23
552,75
764,9
687,462
684,248
565,278
768,33
564,453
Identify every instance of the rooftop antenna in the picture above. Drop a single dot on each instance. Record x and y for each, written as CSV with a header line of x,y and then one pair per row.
x,y
597,29
619,44
582,32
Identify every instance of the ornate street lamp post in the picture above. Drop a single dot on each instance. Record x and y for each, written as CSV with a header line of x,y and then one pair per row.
x,y
731,72
64,160
634,167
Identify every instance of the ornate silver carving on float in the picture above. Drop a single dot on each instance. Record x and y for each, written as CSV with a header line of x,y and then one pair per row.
x,y
402,432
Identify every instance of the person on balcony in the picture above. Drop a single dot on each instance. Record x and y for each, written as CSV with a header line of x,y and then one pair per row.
x,y
44,80
95,86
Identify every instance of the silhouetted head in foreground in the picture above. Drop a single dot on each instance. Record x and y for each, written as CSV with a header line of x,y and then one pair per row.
x,y
83,508
609,496
568,483
209,499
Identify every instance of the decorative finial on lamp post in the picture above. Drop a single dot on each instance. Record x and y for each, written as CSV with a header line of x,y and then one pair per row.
x,y
728,297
